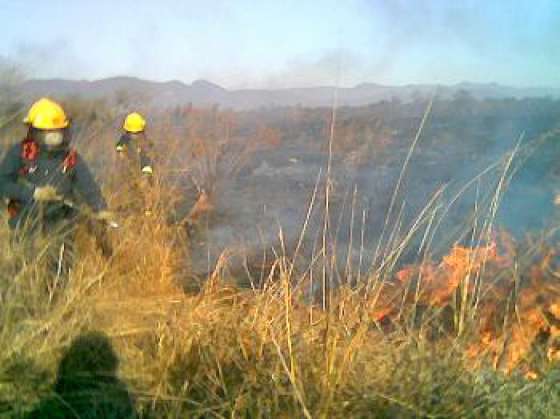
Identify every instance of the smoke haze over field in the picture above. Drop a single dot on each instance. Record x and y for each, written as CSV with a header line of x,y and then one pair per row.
x,y
287,44
267,57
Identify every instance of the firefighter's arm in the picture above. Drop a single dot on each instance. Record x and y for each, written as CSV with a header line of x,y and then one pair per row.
x,y
86,188
120,147
10,188
146,153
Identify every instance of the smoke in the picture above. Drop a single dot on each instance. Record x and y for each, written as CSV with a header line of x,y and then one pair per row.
x,y
340,67
438,41
11,73
28,60
389,42
55,59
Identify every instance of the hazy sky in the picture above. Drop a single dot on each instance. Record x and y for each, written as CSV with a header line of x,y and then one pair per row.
x,y
285,43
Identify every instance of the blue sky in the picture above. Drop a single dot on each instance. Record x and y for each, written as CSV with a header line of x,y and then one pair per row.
x,y
287,43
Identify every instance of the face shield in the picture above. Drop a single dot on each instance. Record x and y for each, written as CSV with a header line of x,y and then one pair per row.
x,y
51,139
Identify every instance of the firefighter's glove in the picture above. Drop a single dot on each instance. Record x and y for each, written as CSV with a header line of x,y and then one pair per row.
x,y
147,171
46,194
107,217
104,215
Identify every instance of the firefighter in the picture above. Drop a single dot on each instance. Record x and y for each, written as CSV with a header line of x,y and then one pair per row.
x,y
135,151
45,182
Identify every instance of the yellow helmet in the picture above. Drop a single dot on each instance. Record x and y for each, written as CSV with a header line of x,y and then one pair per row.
x,y
46,114
134,122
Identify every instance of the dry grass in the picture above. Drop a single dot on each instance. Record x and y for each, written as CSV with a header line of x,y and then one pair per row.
x,y
224,351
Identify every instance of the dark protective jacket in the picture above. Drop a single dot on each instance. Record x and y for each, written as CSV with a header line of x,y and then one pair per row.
x,y
137,150
27,166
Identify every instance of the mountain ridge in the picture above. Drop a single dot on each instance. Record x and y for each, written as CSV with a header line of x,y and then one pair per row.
x,y
206,93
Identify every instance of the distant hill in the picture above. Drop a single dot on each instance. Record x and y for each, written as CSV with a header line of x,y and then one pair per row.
x,y
204,93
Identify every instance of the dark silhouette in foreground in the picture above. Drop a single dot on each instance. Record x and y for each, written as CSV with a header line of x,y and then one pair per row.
x,y
86,384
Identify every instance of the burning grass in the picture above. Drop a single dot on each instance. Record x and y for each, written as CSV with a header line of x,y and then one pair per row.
x,y
511,311
226,351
